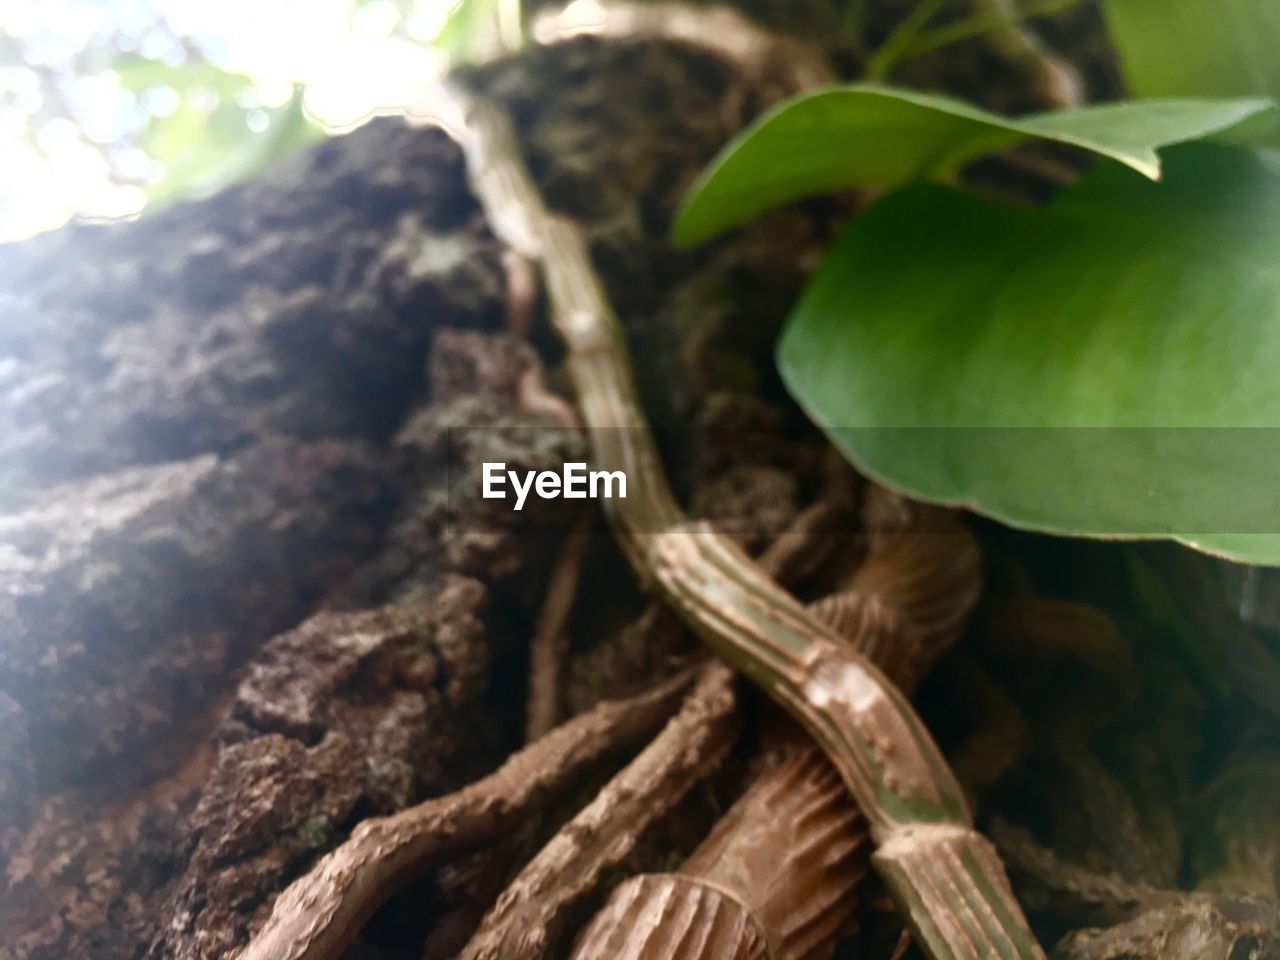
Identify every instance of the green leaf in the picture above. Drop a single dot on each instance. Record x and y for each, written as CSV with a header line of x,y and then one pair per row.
x,y
1108,365
203,152
1197,47
866,135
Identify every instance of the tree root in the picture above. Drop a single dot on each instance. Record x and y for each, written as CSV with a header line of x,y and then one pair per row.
x,y
801,548
781,868
550,641
320,913
532,911
946,878
1137,921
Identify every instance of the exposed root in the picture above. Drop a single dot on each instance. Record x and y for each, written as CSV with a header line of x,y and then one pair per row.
x,y
924,565
880,746
467,887
522,292
550,642
676,917
533,395
1192,927
782,866
1069,888
1061,630
1142,922
806,543
321,912
1242,657
794,849
1000,738
533,909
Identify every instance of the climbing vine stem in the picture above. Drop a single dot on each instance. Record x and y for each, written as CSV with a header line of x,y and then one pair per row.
x,y
885,57
983,22
946,878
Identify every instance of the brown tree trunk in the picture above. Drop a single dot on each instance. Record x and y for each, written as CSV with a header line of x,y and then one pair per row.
x,y
249,596
241,607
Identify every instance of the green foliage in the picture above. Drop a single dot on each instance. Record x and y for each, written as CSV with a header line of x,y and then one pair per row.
x,y
477,30
1105,365
149,103
866,135
214,135
1094,367
1197,47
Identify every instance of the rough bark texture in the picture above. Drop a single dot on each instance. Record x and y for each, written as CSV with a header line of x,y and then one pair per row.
x,y
228,417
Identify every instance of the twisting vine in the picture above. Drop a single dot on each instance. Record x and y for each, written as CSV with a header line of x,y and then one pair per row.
x,y
946,878
779,874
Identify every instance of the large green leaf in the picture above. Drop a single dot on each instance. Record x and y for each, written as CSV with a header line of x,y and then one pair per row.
x,y
1197,47
866,135
1108,365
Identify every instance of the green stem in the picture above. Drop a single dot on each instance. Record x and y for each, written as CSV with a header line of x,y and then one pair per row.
x,y
960,907
984,22
882,61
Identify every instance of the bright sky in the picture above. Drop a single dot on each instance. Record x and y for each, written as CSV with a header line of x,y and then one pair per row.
x,y
354,59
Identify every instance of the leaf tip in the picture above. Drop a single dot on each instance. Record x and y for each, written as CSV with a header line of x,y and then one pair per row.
x,y
1146,163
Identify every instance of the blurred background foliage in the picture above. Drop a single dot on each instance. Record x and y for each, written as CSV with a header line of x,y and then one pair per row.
x,y
109,105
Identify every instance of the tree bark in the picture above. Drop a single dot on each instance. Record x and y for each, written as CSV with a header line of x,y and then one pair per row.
x,y
241,607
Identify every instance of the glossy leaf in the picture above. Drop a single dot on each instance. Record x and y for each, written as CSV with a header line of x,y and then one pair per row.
x,y
867,135
1108,365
